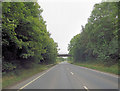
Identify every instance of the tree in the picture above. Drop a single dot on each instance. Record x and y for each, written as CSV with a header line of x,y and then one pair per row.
x,y
98,39
24,35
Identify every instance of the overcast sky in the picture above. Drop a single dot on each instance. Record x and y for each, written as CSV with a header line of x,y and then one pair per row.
x,y
65,17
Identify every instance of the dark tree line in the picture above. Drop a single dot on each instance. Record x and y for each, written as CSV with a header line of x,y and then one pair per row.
x,y
25,39
99,37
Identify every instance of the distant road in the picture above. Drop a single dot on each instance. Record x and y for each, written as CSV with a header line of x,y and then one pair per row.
x,y
68,76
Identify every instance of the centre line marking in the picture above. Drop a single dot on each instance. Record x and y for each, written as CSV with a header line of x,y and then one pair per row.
x,y
35,79
85,88
72,73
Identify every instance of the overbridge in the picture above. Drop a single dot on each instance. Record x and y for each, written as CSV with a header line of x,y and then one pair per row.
x,y
64,55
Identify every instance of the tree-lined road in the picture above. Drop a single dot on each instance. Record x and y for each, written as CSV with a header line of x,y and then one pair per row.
x,y
68,76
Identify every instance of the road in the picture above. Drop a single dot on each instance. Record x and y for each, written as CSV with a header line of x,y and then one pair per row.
x,y
68,76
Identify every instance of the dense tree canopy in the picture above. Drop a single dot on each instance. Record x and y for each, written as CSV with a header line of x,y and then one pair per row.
x,y
24,36
99,37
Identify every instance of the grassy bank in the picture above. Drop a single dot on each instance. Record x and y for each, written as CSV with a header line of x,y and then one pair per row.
x,y
99,66
12,78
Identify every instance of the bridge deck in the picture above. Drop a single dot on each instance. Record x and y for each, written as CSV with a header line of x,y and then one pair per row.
x,y
64,55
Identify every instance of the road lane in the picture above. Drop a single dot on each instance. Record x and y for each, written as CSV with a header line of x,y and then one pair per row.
x,y
57,78
68,76
93,79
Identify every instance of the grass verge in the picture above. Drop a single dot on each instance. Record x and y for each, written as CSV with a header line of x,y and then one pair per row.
x,y
12,78
99,66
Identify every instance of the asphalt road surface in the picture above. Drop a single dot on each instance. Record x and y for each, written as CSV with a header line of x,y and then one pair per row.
x,y
68,76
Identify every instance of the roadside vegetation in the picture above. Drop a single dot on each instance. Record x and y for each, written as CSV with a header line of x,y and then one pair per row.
x,y
27,47
60,59
113,69
97,45
19,75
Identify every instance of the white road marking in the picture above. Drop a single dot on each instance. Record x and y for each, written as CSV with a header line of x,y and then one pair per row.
x,y
35,79
85,88
72,73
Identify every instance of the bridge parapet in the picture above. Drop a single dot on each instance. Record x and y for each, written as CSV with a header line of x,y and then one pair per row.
x,y
64,55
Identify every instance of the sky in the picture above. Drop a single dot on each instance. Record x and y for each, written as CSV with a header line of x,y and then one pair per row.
x,y
64,19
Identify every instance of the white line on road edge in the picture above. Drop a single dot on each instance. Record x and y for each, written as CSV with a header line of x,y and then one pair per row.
x,y
85,88
35,79
72,73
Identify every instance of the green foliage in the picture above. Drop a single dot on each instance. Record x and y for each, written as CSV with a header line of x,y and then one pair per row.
x,y
11,78
99,38
8,66
24,35
100,66
60,59
51,52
